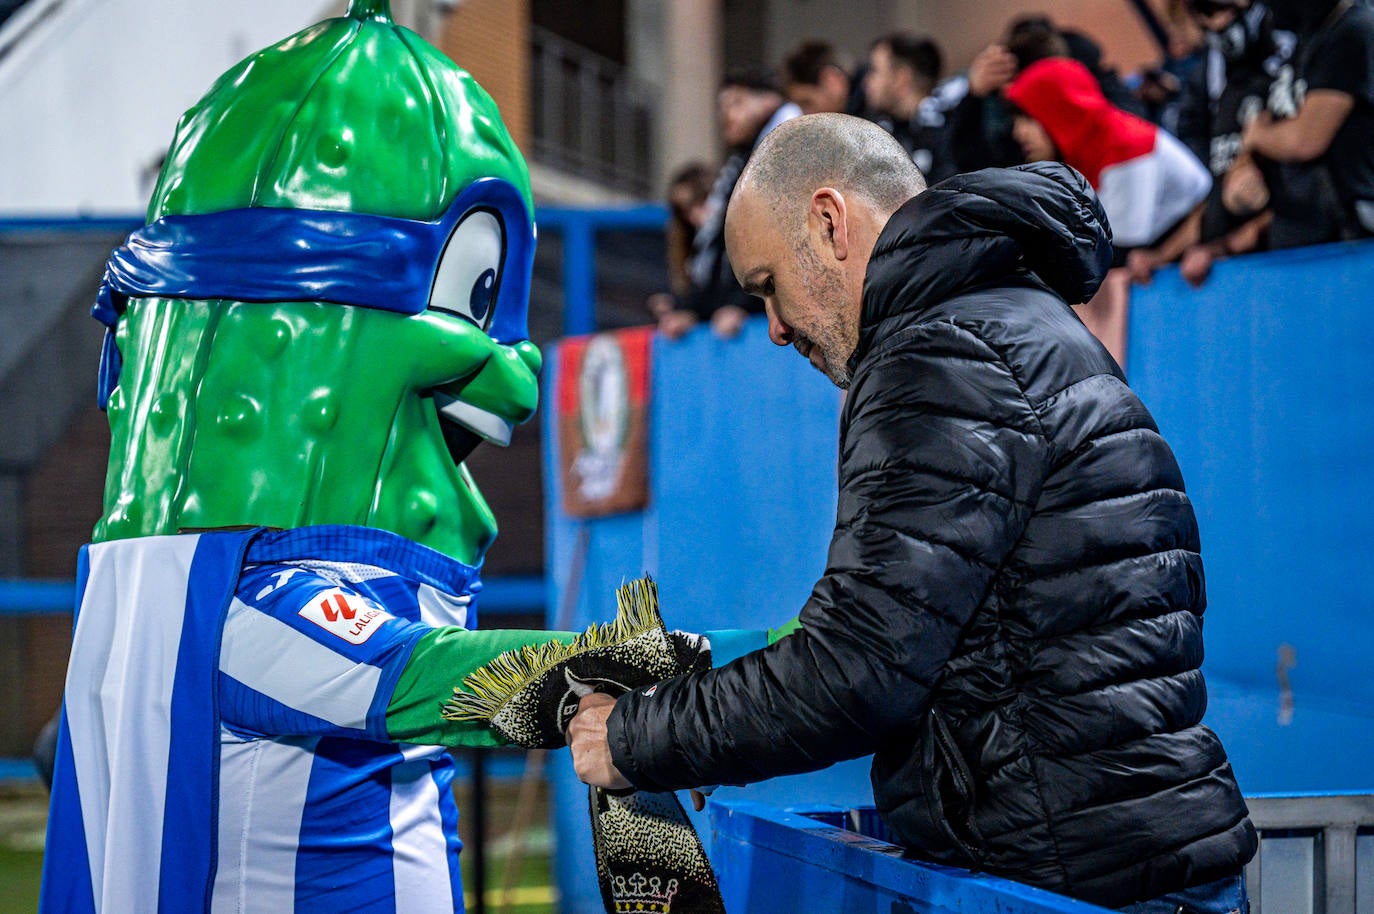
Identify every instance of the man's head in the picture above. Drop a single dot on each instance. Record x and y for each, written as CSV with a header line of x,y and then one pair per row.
x,y
1215,15
802,223
1059,110
1032,38
902,70
688,189
745,102
1241,30
1034,140
816,79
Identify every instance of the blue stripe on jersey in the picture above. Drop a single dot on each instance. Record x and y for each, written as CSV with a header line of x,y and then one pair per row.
x,y
443,779
344,859
366,546
65,887
193,750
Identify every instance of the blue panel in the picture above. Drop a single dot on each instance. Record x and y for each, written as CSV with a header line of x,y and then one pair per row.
x,y
1261,383
770,860
743,439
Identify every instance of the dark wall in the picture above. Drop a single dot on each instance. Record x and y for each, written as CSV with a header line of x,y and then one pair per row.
x,y
598,25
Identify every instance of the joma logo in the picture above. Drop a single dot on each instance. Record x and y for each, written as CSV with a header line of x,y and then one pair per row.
x,y
348,616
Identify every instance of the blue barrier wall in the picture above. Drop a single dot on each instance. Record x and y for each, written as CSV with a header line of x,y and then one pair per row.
x,y
1261,383
771,860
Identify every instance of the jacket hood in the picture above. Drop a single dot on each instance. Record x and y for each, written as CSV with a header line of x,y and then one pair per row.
x,y
1089,131
986,227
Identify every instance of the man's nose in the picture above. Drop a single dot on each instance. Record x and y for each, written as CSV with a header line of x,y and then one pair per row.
x,y
778,332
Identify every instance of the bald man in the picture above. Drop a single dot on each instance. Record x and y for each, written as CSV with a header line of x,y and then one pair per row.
x,y
1010,617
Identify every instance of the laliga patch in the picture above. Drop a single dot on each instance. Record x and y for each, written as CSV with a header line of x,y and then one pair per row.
x,y
348,616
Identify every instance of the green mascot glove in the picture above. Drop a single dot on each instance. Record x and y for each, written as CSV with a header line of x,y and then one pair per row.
x,y
530,695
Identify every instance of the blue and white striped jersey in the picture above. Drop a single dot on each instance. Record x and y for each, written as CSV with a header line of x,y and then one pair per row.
x,y
313,809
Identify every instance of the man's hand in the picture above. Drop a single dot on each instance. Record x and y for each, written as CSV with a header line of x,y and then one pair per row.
x,y
1196,264
674,324
1141,263
727,320
992,69
1243,190
591,753
659,304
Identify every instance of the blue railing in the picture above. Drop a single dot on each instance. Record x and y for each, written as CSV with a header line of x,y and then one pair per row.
x,y
36,598
578,228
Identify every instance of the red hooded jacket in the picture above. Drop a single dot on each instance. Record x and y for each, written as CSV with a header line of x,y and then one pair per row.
x,y
1090,132
1147,180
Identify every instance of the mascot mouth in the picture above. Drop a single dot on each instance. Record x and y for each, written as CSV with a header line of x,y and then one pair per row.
x,y
465,426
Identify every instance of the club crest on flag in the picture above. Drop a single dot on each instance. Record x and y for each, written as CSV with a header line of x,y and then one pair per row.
x,y
602,402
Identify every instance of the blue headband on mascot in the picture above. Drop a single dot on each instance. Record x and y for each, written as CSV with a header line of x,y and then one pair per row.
x,y
267,254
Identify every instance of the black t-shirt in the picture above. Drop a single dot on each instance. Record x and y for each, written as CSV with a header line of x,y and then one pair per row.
x,y
928,146
1217,108
1301,196
1341,58
928,135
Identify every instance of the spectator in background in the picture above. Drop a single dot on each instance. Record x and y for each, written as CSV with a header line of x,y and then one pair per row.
x,y
1244,58
749,105
1162,88
981,124
1333,120
1089,53
903,71
1147,180
687,193
819,81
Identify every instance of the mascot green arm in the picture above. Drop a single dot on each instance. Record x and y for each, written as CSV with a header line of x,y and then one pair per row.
x,y
441,659
732,643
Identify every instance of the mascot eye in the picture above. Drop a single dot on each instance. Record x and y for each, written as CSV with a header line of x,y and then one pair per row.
x,y
469,273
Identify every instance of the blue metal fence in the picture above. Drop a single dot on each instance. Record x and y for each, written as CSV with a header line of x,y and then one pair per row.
x,y
578,228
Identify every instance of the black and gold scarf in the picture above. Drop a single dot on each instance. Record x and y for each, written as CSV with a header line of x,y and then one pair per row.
x,y
648,856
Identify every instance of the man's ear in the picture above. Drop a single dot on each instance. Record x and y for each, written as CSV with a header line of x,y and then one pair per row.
x,y
829,217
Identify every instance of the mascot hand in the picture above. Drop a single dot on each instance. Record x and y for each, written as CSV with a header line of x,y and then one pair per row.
x,y
529,696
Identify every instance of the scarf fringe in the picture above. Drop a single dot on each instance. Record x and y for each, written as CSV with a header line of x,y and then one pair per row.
x,y
488,688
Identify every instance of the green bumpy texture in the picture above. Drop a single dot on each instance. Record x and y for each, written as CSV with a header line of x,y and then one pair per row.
x,y
293,413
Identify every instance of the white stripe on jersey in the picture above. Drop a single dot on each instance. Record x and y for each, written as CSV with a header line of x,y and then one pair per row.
x,y
420,861
270,777
306,675
130,653
438,608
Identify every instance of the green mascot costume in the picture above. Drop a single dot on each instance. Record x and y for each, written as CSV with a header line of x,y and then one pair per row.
x,y
324,314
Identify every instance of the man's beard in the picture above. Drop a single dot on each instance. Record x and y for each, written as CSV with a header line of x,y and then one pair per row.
x,y
832,336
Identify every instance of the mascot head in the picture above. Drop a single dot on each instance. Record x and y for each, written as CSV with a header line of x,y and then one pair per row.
x,y
327,308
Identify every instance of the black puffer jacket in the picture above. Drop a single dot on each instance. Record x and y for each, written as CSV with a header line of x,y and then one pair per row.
x,y
1011,616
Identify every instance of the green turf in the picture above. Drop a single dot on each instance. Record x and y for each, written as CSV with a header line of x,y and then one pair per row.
x,y
23,809
19,876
